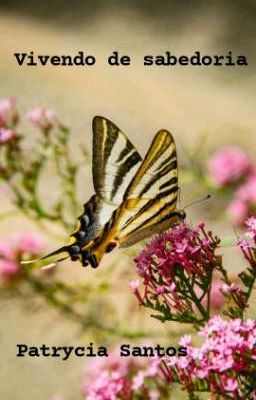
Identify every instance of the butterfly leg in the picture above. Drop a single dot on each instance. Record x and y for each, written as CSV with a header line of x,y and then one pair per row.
x,y
85,256
88,258
93,261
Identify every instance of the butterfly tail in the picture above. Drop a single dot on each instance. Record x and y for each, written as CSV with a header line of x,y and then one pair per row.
x,y
50,260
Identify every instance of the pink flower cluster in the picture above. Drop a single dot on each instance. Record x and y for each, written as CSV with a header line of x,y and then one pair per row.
x,y
248,245
170,261
225,364
191,248
43,118
244,203
8,119
123,378
251,227
6,135
12,251
231,167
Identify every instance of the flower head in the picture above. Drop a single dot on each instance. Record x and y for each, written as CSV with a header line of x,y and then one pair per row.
x,y
6,135
27,243
8,113
8,270
217,297
123,378
170,260
191,249
228,350
248,244
251,227
229,165
247,191
238,211
12,251
244,203
43,118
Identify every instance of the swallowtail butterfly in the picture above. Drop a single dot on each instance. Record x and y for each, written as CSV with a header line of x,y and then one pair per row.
x,y
134,197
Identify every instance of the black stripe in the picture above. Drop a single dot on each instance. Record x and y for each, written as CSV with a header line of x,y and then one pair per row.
x,y
167,192
102,128
147,206
169,167
125,151
164,162
110,142
132,160
169,183
164,171
145,222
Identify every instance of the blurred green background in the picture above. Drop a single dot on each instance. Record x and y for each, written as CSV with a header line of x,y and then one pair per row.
x,y
217,103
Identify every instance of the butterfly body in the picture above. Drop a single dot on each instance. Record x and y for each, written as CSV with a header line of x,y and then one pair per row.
x,y
133,198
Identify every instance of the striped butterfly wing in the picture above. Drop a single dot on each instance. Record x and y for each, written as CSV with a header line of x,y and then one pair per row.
x,y
115,162
151,197
149,203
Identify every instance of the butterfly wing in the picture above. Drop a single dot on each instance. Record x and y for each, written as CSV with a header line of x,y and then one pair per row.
x,y
149,202
115,162
151,197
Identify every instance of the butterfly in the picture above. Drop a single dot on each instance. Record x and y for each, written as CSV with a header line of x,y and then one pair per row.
x,y
134,197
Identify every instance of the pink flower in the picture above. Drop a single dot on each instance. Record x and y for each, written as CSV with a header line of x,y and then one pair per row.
x,y
232,288
12,251
238,210
138,380
217,297
226,353
247,191
169,259
8,268
107,379
123,378
251,227
230,384
6,135
8,112
43,118
27,243
134,285
185,340
8,271
248,245
182,246
244,204
229,165
6,250
244,244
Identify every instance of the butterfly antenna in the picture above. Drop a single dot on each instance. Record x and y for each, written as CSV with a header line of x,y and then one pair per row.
x,y
197,201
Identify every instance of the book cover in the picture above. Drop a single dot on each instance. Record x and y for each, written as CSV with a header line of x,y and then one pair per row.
x,y
128,200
